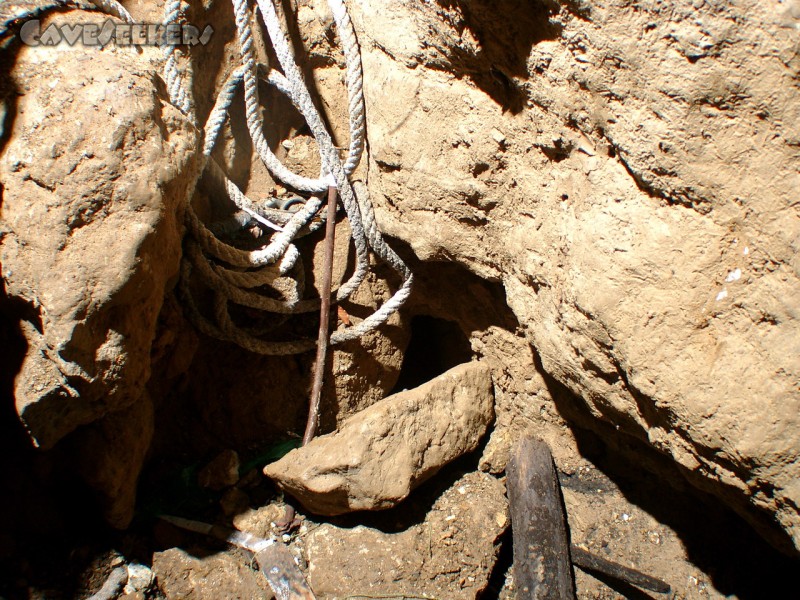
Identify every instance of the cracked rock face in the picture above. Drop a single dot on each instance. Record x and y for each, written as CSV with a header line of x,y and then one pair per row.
x,y
630,175
93,174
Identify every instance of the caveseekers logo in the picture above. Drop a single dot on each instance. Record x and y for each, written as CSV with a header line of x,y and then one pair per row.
x,y
122,34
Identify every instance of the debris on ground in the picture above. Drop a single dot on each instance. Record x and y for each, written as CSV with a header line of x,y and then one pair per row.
x,y
449,554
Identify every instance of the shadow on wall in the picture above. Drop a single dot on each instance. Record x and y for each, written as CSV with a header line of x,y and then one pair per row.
x,y
42,502
506,31
8,94
720,542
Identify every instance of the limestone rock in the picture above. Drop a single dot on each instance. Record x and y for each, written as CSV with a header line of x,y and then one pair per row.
x,y
265,521
140,579
379,455
221,472
94,170
181,575
636,195
448,555
109,455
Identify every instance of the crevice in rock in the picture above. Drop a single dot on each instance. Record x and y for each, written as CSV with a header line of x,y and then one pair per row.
x,y
436,346
45,512
502,568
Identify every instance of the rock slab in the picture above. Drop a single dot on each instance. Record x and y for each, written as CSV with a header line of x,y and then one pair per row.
x,y
94,169
380,454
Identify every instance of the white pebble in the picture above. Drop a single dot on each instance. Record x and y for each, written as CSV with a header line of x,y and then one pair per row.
x,y
140,578
735,275
498,136
722,295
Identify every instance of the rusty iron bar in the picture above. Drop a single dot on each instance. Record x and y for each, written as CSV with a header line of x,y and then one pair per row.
x,y
324,320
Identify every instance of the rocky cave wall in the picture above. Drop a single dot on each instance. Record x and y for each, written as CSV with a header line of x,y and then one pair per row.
x,y
629,172
599,194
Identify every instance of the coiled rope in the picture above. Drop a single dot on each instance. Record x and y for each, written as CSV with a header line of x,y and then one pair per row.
x,y
236,275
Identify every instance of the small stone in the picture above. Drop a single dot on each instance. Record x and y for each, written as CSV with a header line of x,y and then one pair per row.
x,y
501,519
221,472
140,578
234,501
263,522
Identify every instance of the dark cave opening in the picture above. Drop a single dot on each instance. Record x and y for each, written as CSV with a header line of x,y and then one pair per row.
x,y
436,346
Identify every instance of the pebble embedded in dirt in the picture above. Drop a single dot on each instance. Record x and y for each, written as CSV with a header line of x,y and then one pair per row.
x,y
221,472
266,521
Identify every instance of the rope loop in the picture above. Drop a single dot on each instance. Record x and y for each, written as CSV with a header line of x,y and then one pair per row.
x,y
271,277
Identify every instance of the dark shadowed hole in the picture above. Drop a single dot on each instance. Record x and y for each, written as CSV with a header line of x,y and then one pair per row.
x,y
502,568
719,542
436,345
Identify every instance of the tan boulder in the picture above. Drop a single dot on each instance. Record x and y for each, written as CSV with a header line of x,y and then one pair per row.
x,y
379,455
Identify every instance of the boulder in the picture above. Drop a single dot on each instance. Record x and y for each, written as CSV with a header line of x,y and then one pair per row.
x,y
94,170
379,455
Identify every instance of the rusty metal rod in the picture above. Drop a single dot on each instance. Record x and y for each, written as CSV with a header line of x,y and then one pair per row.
x,y
324,320
591,562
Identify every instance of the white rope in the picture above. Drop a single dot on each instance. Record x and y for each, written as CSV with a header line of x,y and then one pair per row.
x,y
237,275
178,93
112,7
355,83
